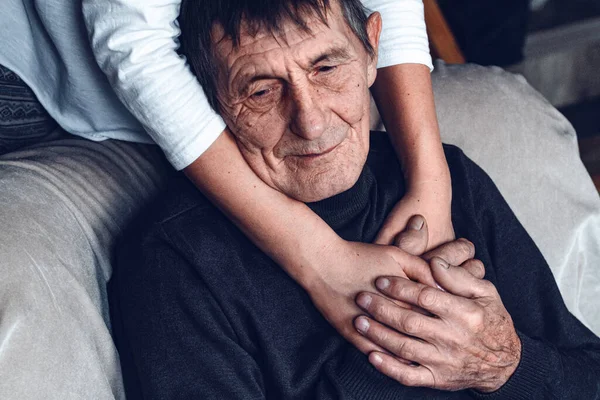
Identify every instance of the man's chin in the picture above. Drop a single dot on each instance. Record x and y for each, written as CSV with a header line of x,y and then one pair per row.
x,y
322,187
314,179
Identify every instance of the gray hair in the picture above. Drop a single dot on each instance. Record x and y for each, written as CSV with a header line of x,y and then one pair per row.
x,y
197,18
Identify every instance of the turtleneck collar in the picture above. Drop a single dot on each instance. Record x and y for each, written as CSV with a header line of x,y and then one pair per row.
x,y
344,207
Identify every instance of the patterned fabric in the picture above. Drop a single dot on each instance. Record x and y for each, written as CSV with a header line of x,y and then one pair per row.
x,y
23,120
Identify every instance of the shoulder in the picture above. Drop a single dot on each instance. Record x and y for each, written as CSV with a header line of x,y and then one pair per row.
x,y
466,175
460,165
473,191
181,228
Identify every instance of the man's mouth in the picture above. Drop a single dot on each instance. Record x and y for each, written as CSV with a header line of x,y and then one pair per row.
x,y
316,155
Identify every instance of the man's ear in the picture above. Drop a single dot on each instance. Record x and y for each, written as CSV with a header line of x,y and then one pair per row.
x,y
374,32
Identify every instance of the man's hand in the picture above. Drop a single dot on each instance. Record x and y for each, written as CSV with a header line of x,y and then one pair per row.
x,y
356,266
469,340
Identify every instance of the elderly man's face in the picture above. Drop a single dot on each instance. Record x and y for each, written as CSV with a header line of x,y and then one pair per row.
x,y
298,103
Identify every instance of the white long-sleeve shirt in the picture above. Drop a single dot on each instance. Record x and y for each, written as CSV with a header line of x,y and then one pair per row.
x,y
134,42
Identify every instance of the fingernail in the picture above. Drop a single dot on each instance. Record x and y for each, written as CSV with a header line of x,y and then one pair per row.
x,y
364,300
382,283
417,223
440,288
376,359
442,263
362,325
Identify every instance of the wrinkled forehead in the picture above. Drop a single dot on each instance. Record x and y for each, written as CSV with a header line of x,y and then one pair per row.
x,y
292,39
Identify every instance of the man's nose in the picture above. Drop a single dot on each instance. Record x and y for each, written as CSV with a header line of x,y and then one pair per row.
x,y
309,118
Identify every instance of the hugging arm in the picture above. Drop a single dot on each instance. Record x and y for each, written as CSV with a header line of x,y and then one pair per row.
x,y
134,43
416,139
404,97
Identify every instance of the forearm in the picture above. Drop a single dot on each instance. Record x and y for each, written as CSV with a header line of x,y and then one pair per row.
x,y
404,97
287,230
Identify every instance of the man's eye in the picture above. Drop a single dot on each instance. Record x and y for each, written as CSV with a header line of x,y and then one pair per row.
x,y
264,97
261,93
326,68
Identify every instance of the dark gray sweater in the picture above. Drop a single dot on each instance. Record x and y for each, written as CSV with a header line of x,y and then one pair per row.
x,y
200,313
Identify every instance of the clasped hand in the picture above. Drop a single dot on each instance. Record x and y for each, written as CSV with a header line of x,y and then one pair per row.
x,y
453,338
465,339
352,267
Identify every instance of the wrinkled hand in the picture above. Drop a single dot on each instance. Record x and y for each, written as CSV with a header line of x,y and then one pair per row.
x,y
469,341
423,199
354,267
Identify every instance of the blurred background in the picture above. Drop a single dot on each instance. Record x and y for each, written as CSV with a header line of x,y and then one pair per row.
x,y
555,44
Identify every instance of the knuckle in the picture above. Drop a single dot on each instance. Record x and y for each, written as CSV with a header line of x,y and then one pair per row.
x,y
398,289
383,312
417,379
466,248
412,324
405,242
427,297
377,308
475,318
380,335
409,380
404,376
407,352
478,267
488,288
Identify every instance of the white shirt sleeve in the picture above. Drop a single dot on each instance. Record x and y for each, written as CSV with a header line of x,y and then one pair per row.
x,y
404,35
135,43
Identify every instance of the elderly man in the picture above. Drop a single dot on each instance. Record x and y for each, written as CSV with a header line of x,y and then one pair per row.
x,y
199,312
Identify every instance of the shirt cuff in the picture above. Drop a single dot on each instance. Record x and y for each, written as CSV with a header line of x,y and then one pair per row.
x,y
189,150
396,57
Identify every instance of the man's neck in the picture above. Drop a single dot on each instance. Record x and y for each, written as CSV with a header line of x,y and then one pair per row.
x,y
357,213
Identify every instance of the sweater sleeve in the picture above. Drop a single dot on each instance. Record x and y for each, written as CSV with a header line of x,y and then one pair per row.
x,y
560,356
174,340
135,43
